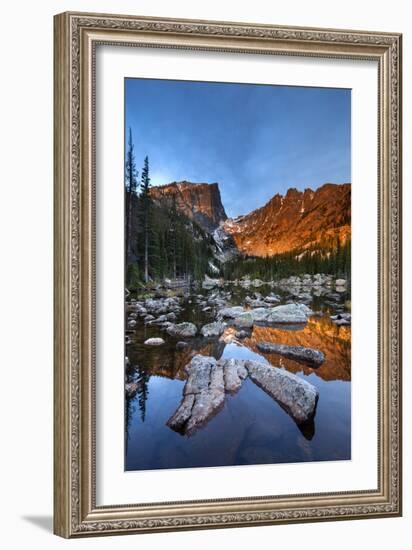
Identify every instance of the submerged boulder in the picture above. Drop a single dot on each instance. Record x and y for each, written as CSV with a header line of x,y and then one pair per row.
x,y
182,330
311,356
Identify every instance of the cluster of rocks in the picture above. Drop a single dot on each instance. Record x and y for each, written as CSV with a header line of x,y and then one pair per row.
x,y
209,283
304,287
218,298
189,330
153,310
162,311
247,283
266,310
209,380
257,300
289,314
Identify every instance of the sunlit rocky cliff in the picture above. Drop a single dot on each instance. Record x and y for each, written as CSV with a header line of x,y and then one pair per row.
x,y
200,202
297,221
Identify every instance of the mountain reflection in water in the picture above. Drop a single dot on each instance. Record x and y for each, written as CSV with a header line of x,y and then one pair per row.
x,y
319,333
251,428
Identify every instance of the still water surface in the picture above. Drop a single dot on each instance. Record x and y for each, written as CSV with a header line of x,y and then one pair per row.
x,y
251,428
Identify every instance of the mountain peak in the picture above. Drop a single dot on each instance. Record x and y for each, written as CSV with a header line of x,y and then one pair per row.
x,y
200,202
297,220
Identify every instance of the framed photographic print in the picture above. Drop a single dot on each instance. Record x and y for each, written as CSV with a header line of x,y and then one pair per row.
x,y
227,274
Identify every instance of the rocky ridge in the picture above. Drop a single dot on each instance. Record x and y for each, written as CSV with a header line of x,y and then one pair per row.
x,y
297,221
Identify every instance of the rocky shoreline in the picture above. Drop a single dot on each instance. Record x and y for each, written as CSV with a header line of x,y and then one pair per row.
x,y
256,309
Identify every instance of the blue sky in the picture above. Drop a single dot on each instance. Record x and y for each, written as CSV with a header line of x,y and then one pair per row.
x,y
254,140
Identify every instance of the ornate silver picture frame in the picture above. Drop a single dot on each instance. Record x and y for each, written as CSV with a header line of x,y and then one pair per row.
x,y
77,511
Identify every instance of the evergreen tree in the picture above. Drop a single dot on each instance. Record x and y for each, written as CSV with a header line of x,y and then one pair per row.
x,y
143,392
146,204
131,176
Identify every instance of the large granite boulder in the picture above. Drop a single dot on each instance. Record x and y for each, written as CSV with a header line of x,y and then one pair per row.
x,y
212,329
245,320
203,395
293,314
182,330
230,312
312,357
297,396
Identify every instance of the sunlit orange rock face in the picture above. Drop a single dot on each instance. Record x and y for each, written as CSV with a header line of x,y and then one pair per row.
x,y
200,202
319,333
296,221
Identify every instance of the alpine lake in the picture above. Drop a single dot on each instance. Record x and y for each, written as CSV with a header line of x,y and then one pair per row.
x,y
251,427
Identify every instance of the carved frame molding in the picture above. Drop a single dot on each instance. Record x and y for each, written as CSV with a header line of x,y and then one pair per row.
x,y
75,510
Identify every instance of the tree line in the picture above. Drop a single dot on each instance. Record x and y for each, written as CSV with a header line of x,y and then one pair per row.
x,y
332,258
160,242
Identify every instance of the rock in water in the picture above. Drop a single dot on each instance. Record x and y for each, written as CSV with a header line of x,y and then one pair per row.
x,y
297,396
208,380
230,312
203,395
182,330
234,374
178,421
154,342
244,321
260,314
289,314
272,299
341,319
212,329
311,356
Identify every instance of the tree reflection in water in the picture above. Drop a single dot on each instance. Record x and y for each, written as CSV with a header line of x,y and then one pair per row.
x,y
319,333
